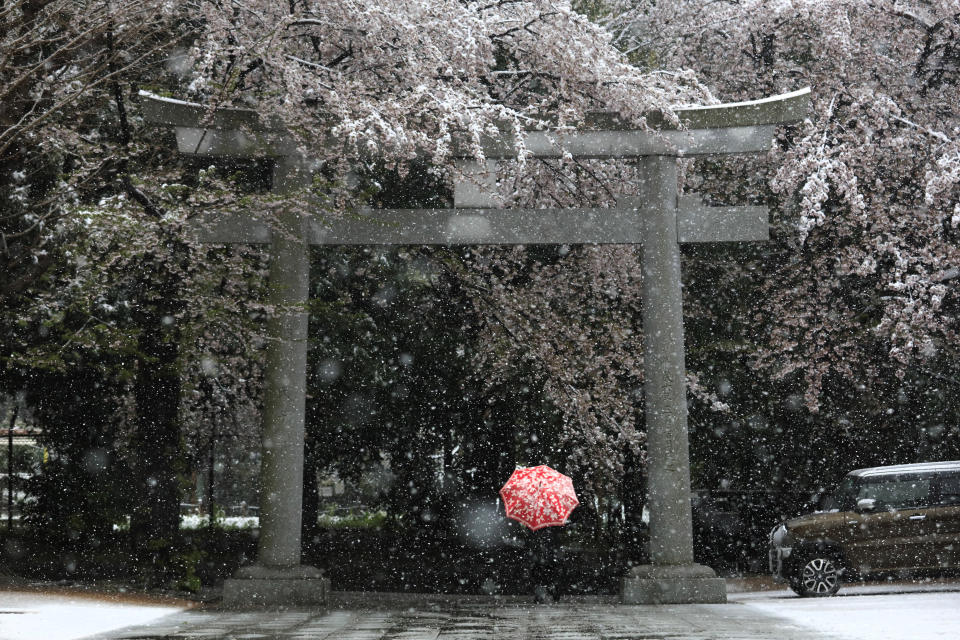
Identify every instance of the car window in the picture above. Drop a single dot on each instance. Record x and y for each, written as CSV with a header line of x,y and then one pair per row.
x,y
897,493
844,497
950,490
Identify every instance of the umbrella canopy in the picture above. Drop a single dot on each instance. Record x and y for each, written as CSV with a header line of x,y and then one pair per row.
x,y
539,497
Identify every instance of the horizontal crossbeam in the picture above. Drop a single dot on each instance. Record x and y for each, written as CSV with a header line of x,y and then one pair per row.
x,y
233,143
634,144
695,223
539,144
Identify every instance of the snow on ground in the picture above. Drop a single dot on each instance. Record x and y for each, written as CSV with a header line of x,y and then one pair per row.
x,y
229,522
34,616
924,611
875,612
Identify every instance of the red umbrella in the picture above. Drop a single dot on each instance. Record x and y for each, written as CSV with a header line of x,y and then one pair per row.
x,y
539,497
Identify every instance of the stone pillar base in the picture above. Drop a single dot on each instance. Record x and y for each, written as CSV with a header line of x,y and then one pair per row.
x,y
267,587
672,584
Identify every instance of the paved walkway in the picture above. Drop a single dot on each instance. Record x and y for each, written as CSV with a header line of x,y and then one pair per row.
x,y
476,620
909,610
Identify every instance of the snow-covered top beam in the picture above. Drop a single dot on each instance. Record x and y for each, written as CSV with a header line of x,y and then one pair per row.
x,y
779,109
742,127
161,110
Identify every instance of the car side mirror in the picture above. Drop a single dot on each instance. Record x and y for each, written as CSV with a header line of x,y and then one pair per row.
x,y
817,501
866,504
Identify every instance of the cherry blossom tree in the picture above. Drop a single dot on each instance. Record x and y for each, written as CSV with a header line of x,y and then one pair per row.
x,y
63,123
96,268
356,83
359,80
855,288
867,193
854,295
397,80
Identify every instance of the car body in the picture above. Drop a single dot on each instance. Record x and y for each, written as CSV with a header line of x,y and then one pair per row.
x,y
882,520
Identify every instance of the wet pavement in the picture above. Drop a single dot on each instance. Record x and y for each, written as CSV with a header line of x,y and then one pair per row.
x,y
758,609
474,620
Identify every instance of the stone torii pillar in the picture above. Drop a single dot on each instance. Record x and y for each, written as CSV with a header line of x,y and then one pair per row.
x,y
672,576
278,578
656,219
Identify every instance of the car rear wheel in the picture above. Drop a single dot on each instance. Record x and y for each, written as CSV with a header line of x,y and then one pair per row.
x,y
817,576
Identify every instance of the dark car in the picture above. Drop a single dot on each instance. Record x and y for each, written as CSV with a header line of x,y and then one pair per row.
x,y
882,520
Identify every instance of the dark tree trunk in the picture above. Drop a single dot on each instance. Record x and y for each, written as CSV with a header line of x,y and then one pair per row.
x,y
211,477
633,495
490,457
309,530
10,487
633,490
157,446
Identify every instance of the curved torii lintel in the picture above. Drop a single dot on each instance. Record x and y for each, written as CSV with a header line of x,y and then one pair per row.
x,y
784,108
741,127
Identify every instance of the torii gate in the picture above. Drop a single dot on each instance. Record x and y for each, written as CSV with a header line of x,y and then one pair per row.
x,y
657,219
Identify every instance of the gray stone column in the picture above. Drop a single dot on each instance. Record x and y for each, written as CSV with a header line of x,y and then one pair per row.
x,y
672,576
278,578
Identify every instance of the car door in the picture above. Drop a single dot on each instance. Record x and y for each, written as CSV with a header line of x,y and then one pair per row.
x,y
865,536
893,534
942,523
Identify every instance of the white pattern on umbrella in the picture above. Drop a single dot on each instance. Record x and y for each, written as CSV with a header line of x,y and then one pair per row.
x,y
539,497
